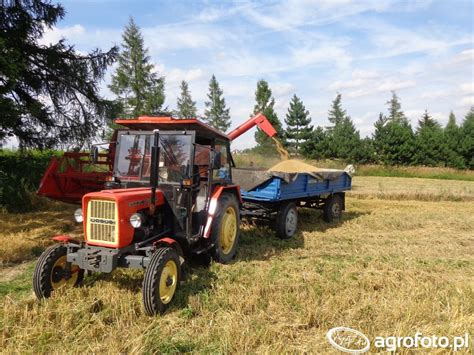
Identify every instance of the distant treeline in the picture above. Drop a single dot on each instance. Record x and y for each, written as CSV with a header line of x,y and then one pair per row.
x,y
394,141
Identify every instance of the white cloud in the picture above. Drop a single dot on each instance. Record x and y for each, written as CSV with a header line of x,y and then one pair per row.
x,y
176,75
467,101
467,88
55,34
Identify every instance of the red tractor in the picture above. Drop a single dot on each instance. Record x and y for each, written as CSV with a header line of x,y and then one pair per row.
x,y
168,196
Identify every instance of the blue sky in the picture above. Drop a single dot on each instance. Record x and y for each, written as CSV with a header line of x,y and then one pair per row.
x,y
363,49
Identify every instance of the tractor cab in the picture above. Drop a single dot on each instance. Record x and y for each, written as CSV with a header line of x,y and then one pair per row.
x,y
193,160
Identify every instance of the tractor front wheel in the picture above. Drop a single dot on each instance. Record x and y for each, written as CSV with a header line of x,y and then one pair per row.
x,y
226,229
162,277
53,272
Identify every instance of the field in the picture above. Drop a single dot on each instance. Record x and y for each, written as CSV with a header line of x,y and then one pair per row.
x,y
400,261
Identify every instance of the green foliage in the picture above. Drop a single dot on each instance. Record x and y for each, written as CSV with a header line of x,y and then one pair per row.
x,y
316,146
186,105
139,89
20,285
20,175
430,147
298,128
216,113
453,150
467,138
264,103
337,114
49,93
394,109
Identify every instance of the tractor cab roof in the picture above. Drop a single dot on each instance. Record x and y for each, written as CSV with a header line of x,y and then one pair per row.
x,y
204,133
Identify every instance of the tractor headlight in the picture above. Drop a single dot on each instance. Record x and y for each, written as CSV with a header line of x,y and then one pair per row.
x,y
136,220
78,215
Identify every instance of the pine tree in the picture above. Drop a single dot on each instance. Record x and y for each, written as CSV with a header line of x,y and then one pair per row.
x,y
337,114
265,104
343,138
216,113
49,93
452,137
394,109
429,142
298,124
316,147
467,138
393,137
186,105
139,89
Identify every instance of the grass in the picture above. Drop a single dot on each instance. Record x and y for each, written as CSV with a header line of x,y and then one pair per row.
x,y
247,160
393,265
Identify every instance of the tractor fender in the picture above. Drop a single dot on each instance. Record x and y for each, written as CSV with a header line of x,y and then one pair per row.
x,y
235,189
66,239
169,242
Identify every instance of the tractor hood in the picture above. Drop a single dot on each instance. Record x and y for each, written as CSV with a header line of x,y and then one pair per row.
x,y
107,214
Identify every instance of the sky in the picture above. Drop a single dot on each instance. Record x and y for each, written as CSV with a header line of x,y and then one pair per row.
x,y
424,50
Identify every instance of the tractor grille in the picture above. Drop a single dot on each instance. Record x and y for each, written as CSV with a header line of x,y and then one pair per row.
x,y
102,222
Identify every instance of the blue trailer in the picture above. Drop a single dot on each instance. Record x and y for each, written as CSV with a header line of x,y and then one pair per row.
x,y
275,196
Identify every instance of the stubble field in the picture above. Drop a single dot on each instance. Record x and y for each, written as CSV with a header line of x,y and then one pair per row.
x,y
401,260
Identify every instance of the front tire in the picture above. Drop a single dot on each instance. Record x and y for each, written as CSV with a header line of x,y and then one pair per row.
x,y
51,272
225,232
287,221
162,277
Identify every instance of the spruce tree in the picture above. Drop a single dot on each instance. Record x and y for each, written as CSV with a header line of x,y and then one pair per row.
x,y
316,147
297,120
139,89
216,113
343,138
395,112
429,142
186,105
337,114
49,93
452,138
467,139
393,137
265,104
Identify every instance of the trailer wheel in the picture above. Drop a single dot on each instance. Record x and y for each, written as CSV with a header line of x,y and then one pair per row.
x,y
225,231
50,272
287,221
162,277
332,208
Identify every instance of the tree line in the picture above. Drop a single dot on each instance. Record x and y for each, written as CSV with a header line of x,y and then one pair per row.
x,y
49,96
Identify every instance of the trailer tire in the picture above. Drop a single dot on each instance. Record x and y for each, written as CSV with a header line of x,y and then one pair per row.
x,y
287,221
161,280
48,275
225,231
333,208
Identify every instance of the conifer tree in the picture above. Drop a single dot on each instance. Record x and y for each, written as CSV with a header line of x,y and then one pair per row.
x,y
337,114
138,88
467,138
395,112
316,147
186,105
265,104
452,137
216,113
49,93
297,120
429,142
343,138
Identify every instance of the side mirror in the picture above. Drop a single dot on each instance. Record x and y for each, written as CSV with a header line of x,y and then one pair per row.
x,y
215,158
94,154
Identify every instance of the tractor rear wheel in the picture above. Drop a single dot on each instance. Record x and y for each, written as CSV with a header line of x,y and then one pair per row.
x,y
225,231
53,273
332,208
287,221
162,277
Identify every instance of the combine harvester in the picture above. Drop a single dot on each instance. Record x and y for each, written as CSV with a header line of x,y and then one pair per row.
x,y
168,189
